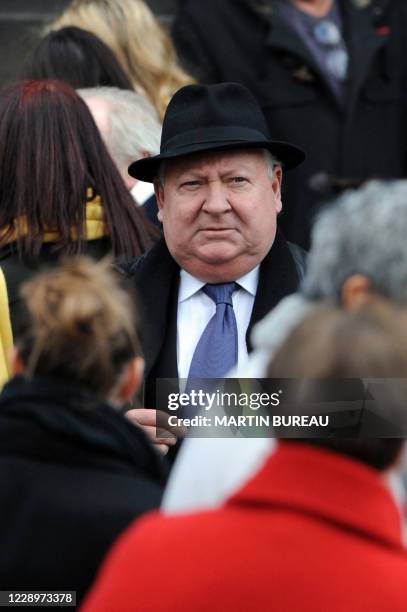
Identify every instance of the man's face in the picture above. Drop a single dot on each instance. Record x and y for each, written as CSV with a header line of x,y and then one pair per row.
x,y
219,212
317,8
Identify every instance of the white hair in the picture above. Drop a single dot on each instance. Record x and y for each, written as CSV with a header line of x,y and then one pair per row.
x,y
270,161
362,232
134,126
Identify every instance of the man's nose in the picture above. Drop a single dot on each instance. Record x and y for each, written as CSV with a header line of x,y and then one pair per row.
x,y
216,199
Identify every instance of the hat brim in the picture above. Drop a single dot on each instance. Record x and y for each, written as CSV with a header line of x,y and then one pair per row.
x,y
290,156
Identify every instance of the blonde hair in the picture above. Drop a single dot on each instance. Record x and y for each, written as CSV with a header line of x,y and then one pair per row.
x,y
80,325
141,45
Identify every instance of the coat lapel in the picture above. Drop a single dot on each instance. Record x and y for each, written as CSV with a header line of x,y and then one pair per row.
x,y
155,279
283,38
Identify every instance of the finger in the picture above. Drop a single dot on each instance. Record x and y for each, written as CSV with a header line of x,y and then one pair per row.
x,y
162,422
162,448
155,418
142,416
161,437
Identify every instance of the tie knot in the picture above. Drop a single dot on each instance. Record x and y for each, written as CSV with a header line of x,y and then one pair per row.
x,y
220,294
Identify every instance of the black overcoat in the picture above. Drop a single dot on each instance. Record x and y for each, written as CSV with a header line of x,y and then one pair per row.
x,y
74,473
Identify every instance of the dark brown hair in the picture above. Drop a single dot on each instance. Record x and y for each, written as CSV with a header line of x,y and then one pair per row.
x,y
77,57
80,326
51,154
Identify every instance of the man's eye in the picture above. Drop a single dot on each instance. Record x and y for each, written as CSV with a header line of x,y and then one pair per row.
x,y
191,184
236,180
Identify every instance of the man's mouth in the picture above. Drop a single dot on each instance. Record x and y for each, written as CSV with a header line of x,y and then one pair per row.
x,y
217,229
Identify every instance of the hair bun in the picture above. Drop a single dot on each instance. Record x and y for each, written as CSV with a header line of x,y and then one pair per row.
x,y
81,324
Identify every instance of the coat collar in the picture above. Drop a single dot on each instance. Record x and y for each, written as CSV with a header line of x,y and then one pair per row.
x,y
322,483
156,275
59,422
283,38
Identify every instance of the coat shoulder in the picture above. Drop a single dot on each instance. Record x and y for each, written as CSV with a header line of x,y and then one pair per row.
x,y
129,267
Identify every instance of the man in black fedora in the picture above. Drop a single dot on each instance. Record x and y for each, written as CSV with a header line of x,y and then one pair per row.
x,y
222,264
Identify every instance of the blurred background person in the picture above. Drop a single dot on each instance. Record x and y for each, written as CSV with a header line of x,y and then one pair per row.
x,y
318,513
60,192
358,256
131,130
139,42
77,57
330,76
74,471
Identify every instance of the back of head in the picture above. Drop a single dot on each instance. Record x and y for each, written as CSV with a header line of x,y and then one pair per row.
x,y
333,344
51,158
362,232
141,45
80,326
370,342
133,129
77,57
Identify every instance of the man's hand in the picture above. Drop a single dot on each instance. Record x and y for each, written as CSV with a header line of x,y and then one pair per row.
x,y
155,425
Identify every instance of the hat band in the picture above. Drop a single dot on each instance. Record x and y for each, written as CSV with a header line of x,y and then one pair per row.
x,y
213,135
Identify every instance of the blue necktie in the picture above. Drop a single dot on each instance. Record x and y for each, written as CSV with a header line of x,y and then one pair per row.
x,y
216,352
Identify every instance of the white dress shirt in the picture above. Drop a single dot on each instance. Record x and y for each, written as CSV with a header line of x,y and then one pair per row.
x,y
195,310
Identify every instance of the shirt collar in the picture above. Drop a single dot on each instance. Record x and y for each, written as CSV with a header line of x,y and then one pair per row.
x,y
189,285
250,281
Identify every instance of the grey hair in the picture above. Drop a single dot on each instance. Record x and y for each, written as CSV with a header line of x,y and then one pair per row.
x,y
362,232
270,160
134,125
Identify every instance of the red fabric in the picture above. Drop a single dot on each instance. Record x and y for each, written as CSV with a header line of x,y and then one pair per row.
x,y
312,531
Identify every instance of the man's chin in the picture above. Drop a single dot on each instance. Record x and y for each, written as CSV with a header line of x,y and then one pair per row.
x,y
216,256
219,267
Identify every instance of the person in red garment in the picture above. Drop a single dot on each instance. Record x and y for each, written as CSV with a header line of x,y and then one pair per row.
x,y
315,530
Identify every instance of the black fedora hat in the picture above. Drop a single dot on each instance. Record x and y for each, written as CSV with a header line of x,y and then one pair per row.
x,y
218,117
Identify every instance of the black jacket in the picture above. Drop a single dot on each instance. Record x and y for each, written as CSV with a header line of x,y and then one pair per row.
x,y
246,41
74,473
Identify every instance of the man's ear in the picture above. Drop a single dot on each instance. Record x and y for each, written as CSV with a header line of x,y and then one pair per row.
x,y
276,184
130,380
356,292
16,363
